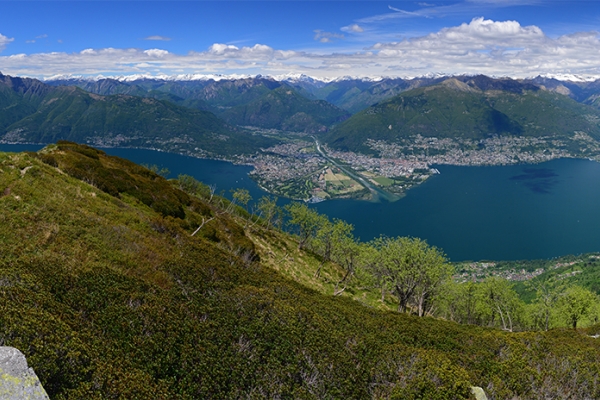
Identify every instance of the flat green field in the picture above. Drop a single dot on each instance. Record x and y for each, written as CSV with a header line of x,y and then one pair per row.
x,y
383,181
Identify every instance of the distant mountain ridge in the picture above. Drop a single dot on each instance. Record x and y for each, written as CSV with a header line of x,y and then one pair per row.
x,y
347,92
257,102
34,112
468,107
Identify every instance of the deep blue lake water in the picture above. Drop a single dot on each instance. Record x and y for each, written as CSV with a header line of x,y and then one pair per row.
x,y
471,213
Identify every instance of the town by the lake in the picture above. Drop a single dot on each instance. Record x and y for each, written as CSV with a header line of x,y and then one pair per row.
x,y
303,169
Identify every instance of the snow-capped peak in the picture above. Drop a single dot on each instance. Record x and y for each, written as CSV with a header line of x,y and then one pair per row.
x,y
571,77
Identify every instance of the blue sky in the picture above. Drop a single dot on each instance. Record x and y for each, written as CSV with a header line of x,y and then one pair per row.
x,y
324,39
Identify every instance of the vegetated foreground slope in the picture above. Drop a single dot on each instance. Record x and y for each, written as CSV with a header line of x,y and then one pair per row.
x,y
109,295
37,113
477,108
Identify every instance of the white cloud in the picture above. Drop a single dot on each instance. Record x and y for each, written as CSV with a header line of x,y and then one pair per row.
x,y
156,53
355,28
4,41
158,37
221,49
326,37
504,48
42,36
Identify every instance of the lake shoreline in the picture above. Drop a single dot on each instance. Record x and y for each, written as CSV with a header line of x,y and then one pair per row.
x,y
517,212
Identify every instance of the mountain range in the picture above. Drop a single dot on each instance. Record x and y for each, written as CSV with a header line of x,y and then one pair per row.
x,y
468,108
208,117
258,102
34,112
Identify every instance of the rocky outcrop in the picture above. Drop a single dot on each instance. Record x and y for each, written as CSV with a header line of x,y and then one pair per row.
x,y
17,380
478,393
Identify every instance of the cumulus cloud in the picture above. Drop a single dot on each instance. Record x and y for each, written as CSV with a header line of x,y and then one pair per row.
x,y
327,37
156,53
355,28
158,37
44,36
221,49
4,41
484,46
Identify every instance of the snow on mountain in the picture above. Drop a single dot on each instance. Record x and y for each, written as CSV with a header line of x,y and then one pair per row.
x,y
571,77
292,77
206,77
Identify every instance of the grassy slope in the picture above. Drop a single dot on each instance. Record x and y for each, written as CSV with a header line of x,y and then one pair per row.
x,y
108,298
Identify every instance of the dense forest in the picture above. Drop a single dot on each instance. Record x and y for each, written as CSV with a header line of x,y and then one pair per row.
x,y
118,283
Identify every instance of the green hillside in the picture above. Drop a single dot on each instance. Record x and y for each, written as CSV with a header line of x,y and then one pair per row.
x,y
37,113
283,108
356,95
476,109
110,294
258,102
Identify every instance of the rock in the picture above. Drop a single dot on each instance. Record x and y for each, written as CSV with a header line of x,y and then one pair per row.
x,y
17,380
478,393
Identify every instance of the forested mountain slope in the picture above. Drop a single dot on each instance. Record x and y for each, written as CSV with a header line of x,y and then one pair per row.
x,y
33,112
283,108
258,102
478,108
110,294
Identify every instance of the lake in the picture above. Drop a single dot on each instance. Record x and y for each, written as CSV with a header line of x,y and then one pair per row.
x,y
471,213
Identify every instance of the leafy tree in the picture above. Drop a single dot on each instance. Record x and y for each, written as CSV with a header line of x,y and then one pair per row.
x,y
345,252
241,197
371,262
329,236
547,294
164,172
191,185
576,303
500,300
307,220
413,268
270,212
461,302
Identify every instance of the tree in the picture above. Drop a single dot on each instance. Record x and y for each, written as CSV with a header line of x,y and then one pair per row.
x,y
190,185
371,262
267,206
413,269
241,197
576,303
501,300
460,302
547,294
307,220
434,272
164,172
328,237
345,252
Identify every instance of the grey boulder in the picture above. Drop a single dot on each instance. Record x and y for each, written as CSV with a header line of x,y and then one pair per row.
x,y
17,380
